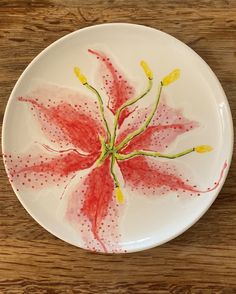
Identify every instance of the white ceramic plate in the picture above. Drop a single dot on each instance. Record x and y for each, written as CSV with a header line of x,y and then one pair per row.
x,y
58,152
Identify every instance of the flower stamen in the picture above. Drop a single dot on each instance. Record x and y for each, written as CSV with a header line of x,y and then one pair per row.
x,y
119,195
82,78
146,69
84,81
171,78
203,148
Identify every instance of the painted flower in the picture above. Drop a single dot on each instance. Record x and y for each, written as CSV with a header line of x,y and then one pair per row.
x,y
119,145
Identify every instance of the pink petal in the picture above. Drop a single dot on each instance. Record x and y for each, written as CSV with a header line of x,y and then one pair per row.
x,y
37,171
167,124
117,87
150,177
66,117
93,210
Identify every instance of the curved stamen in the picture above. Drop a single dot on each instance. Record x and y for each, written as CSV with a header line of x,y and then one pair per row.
x,y
127,104
119,195
167,80
82,78
198,149
147,122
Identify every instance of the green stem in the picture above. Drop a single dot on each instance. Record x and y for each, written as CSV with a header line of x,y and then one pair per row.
x,y
128,103
104,151
101,107
147,122
117,184
153,154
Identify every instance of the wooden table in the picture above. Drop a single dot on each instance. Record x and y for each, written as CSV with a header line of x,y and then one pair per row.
x,y
203,259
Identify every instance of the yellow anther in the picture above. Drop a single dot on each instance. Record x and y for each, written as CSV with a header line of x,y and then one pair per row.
x,y
146,69
172,77
80,76
119,196
203,148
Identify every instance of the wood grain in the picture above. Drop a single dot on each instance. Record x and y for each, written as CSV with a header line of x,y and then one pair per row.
x,y
203,259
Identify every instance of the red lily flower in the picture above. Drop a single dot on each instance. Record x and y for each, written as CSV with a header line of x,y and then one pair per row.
x,y
78,137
